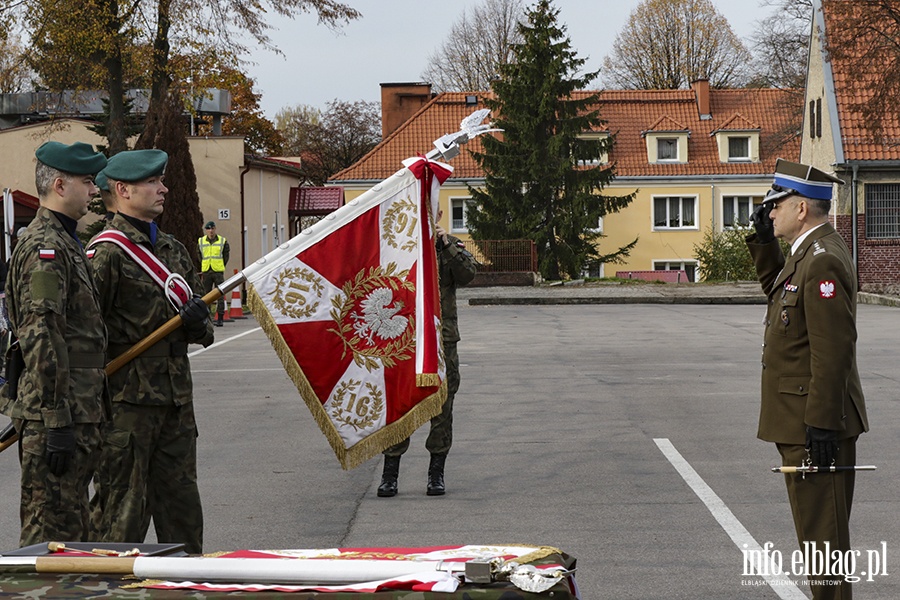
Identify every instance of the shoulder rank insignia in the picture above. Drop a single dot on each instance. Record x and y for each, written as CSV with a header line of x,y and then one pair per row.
x,y
826,288
46,253
817,249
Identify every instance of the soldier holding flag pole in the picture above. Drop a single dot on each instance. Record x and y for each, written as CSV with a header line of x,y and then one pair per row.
x,y
148,466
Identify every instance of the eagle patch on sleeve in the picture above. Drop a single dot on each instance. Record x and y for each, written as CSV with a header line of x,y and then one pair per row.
x,y
826,288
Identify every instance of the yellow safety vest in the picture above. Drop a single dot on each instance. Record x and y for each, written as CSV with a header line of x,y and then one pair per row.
x,y
211,253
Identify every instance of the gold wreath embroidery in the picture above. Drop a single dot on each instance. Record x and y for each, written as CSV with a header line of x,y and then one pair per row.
x,y
401,220
355,338
351,409
292,292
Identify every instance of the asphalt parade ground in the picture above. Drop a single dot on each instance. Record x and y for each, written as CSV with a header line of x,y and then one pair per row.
x,y
621,433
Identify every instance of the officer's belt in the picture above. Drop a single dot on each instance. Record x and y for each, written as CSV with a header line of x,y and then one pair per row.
x,y
161,349
87,360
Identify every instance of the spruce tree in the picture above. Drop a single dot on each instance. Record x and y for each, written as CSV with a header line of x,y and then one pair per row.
x,y
535,187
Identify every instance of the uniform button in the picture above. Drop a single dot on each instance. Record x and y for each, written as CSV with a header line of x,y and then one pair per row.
x,y
801,388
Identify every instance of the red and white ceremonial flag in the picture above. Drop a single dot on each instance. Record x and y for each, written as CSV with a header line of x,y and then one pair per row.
x,y
352,307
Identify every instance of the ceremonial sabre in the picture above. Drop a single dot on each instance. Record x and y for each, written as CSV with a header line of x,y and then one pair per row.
x,y
815,469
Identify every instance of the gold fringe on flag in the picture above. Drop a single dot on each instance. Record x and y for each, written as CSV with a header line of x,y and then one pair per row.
x,y
427,380
368,447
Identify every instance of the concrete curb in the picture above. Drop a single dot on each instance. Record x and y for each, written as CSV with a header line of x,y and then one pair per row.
x,y
523,300
867,298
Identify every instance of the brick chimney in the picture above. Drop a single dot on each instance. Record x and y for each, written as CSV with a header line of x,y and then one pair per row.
x,y
701,91
400,101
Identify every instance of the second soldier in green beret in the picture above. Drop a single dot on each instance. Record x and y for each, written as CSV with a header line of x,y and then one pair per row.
x,y
149,463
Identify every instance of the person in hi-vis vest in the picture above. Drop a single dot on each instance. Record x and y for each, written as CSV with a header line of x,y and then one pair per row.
x,y
214,253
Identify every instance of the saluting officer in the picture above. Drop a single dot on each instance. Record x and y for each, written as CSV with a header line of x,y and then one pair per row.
x,y
214,254
54,309
812,402
149,462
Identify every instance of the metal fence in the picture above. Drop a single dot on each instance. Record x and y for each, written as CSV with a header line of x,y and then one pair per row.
x,y
504,256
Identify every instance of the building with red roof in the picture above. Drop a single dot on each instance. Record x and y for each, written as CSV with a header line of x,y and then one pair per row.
x,y
839,136
699,158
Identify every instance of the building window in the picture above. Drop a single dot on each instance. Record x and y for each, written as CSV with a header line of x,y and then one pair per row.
x,y
458,209
882,211
688,266
667,149
738,148
592,159
674,212
736,210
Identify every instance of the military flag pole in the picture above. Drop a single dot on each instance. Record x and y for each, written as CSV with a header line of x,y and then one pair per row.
x,y
446,147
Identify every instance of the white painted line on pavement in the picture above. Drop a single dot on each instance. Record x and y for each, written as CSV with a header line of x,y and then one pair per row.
x,y
780,584
217,344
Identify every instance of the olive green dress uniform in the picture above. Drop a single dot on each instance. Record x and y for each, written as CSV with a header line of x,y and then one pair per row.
x,y
456,267
149,463
55,312
810,377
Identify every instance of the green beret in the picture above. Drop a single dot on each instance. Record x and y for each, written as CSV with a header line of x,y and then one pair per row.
x,y
101,181
209,225
136,165
77,159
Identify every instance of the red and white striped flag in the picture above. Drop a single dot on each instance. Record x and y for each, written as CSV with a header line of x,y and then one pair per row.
x,y
352,308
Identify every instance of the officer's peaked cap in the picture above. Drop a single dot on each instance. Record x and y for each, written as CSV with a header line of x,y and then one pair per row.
x,y
797,178
77,159
136,165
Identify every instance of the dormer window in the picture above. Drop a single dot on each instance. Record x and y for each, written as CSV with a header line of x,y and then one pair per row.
x,y
585,156
738,140
667,141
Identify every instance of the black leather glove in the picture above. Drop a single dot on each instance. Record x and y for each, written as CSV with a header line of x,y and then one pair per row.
x,y
762,223
822,445
60,449
194,315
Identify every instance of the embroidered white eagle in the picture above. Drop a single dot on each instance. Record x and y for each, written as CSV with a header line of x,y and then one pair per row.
x,y
379,317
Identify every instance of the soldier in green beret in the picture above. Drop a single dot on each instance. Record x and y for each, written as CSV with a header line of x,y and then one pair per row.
x,y
149,462
106,196
60,397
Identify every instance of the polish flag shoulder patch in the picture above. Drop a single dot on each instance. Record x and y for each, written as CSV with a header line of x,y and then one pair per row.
x,y
826,288
90,252
47,254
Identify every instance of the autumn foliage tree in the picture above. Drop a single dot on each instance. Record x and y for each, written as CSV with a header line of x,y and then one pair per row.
x,y
864,38
331,140
108,44
781,45
535,187
479,42
667,44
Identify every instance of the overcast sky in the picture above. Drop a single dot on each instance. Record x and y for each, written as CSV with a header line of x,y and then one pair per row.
x,y
391,43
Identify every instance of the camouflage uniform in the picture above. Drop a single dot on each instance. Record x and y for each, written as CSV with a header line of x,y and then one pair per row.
x,y
149,462
456,267
55,311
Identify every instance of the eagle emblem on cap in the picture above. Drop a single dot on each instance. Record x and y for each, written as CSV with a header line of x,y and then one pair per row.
x,y
826,288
